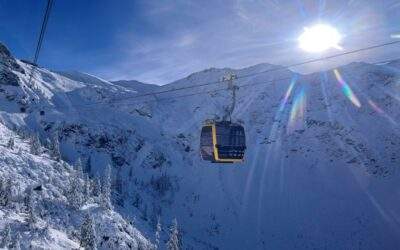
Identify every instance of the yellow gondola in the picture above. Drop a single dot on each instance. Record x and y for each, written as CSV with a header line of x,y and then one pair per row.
x,y
222,142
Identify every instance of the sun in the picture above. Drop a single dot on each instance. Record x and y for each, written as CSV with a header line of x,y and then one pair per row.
x,y
319,38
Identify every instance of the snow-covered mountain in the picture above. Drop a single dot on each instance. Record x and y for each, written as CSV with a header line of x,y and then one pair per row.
x,y
137,86
128,84
37,188
321,167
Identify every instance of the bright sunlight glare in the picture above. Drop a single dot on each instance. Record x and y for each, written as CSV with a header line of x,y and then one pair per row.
x,y
319,38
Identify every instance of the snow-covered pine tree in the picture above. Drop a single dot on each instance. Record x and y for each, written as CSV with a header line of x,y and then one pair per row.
x,y
55,147
106,189
88,166
65,165
155,214
158,232
21,132
144,213
27,198
17,242
173,242
44,233
96,188
30,206
79,168
48,144
88,234
19,151
6,237
87,187
11,143
75,192
5,191
35,146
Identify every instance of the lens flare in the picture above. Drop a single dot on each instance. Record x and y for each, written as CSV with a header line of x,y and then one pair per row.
x,y
288,92
375,107
297,113
346,89
380,111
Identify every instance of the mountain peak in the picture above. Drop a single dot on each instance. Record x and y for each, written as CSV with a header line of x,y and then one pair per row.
x,y
82,77
136,85
8,64
4,51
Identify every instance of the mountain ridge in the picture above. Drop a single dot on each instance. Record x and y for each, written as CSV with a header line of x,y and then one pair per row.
x,y
320,169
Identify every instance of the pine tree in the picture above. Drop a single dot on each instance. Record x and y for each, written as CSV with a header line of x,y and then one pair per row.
x,y
55,147
6,237
44,233
158,231
65,165
106,190
173,242
17,242
11,143
144,213
27,199
30,207
5,191
88,167
88,234
75,192
36,147
86,188
78,167
96,189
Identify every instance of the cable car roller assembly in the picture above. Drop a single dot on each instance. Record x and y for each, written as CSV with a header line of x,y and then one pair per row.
x,y
224,141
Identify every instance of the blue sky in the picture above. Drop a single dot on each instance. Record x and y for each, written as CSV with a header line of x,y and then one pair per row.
x,y
164,40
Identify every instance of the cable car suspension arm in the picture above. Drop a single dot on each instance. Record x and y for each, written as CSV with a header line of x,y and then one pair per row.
x,y
232,87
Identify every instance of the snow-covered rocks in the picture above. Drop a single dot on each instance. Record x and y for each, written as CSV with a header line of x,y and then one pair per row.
x,y
36,210
7,65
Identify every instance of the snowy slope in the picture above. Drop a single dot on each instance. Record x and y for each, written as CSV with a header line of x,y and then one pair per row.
x,y
134,85
57,225
83,77
137,86
46,182
320,170
395,63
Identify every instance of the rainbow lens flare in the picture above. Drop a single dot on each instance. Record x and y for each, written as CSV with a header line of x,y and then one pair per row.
x,y
287,94
297,113
380,111
346,89
375,107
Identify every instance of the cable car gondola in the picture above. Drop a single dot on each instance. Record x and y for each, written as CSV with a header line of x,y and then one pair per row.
x,y
222,142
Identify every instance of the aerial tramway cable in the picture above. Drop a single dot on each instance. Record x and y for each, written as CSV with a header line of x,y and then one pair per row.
x,y
41,38
241,77
220,141
155,93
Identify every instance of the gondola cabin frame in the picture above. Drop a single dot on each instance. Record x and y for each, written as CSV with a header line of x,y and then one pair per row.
x,y
210,149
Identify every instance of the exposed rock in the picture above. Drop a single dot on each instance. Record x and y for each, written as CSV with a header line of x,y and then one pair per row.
x,y
8,63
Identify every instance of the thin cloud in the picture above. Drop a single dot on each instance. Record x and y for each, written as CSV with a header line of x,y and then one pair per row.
x,y
190,36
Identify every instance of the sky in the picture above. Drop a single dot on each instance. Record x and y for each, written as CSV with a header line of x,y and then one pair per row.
x,y
160,41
